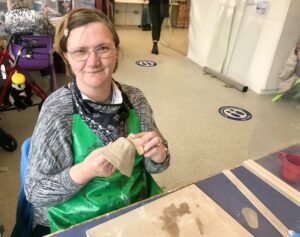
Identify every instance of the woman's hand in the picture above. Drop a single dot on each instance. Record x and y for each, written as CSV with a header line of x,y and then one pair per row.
x,y
153,146
94,165
44,10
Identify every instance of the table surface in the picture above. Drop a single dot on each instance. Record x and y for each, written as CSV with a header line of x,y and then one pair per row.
x,y
221,190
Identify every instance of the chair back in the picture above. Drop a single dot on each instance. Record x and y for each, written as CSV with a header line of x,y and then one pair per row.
x,y
24,215
32,58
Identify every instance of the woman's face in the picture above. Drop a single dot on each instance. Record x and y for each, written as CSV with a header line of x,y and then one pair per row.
x,y
96,71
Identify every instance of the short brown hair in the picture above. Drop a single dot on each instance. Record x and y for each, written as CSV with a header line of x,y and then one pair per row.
x,y
77,18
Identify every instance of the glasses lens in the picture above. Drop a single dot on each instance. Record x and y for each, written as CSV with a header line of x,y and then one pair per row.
x,y
104,51
83,54
79,55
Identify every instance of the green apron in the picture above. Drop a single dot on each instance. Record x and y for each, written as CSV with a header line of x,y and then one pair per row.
x,y
101,194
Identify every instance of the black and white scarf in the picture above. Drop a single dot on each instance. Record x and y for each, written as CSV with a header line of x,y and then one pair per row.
x,y
107,121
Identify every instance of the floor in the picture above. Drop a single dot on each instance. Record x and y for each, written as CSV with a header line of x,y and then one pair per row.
x,y
185,102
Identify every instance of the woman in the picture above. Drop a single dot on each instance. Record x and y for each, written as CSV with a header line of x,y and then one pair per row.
x,y
68,178
158,10
22,18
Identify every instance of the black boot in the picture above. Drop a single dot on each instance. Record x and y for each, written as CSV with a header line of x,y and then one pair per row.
x,y
155,48
7,141
146,27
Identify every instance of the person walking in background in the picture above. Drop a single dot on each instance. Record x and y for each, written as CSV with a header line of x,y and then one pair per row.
x,y
158,10
20,17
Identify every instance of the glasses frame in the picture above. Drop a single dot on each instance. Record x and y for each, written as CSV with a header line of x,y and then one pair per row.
x,y
90,50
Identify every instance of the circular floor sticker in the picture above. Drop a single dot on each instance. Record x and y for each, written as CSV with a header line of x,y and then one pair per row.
x,y
145,63
235,113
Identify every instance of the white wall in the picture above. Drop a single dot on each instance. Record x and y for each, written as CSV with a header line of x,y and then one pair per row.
x,y
202,18
257,44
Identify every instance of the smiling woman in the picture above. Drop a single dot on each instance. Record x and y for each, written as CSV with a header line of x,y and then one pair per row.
x,y
70,178
93,71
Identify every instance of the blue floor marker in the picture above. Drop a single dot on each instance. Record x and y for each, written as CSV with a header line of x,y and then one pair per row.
x,y
235,113
146,63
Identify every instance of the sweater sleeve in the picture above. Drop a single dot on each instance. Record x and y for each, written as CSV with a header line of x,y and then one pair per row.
x,y
48,180
145,114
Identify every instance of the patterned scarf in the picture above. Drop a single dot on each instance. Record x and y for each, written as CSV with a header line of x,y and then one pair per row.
x,y
107,121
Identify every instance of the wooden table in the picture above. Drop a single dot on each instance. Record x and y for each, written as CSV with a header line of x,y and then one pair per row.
x,y
216,203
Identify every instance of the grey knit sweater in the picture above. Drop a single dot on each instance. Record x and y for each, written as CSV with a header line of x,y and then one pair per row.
x,y
48,181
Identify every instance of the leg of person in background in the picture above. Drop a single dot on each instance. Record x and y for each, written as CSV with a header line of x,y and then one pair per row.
x,y
164,12
146,21
154,11
157,15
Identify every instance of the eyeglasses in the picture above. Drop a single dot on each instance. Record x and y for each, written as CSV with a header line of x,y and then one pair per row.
x,y
82,54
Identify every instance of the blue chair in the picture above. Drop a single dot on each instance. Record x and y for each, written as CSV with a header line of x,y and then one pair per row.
x,y
24,215
293,233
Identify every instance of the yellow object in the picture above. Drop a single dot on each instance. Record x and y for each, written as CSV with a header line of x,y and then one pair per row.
x,y
18,78
278,96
